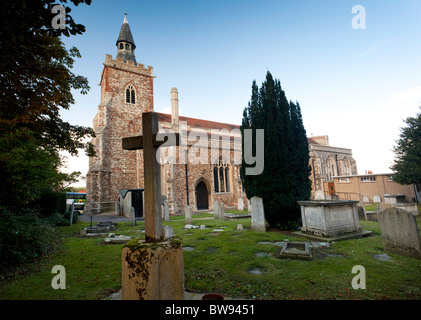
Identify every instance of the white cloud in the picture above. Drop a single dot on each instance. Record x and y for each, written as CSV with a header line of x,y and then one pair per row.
x,y
374,47
412,94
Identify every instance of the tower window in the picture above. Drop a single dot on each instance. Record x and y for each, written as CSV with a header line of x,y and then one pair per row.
x,y
121,46
127,46
130,95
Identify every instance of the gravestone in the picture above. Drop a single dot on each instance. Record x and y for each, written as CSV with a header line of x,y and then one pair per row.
x,y
166,211
221,210
330,220
216,209
377,199
319,195
248,205
361,211
152,269
167,232
188,215
240,204
257,214
296,250
400,232
133,216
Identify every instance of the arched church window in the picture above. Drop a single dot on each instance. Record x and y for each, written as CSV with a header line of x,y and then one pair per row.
x,y
121,46
127,46
221,177
331,168
130,94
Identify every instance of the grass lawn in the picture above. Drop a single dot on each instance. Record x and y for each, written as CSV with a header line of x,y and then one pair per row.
x,y
221,263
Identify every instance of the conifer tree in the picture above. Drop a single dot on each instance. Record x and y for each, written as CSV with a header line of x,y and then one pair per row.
x,y
285,178
407,163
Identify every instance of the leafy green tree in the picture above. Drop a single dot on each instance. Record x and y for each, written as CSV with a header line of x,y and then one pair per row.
x,y
285,178
36,82
407,164
35,75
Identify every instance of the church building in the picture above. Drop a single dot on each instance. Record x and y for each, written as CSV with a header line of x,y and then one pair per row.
x,y
126,93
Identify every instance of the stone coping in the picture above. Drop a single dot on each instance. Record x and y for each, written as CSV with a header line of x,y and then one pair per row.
x,y
348,236
326,203
231,216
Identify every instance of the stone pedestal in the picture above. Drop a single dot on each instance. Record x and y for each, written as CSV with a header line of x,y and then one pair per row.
x,y
153,271
334,219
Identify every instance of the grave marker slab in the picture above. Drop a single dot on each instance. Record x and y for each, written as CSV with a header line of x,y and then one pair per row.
x,y
400,232
257,214
188,215
240,204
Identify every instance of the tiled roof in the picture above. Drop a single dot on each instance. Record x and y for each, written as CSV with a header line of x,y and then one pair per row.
x,y
199,123
206,124
312,141
125,33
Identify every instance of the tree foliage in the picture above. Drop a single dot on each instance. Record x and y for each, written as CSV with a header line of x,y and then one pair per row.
x,y
36,83
35,75
285,178
407,164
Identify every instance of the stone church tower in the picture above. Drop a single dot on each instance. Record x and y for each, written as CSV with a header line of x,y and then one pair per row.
x,y
126,92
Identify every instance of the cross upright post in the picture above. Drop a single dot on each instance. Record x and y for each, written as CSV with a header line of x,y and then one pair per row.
x,y
152,173
152,179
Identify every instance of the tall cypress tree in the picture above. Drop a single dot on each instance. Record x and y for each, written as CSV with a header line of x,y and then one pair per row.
x,y
286,165
301,155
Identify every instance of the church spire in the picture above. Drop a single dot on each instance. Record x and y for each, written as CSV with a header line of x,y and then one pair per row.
x,y
125,43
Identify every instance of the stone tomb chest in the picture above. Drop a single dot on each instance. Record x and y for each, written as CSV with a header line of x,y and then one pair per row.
x,y
329,218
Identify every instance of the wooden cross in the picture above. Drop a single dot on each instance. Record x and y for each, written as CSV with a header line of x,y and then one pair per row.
x,y
152,172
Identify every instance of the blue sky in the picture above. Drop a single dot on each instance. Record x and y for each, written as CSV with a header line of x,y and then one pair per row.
x,y
356,86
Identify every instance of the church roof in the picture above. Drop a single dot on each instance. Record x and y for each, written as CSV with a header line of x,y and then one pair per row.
x,y
125,33
206,124
312,141
198,123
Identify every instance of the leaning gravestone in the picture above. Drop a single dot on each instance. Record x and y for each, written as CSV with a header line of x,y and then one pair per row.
x,y
361,211
257,214
399,232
